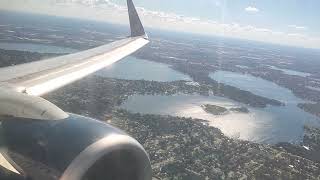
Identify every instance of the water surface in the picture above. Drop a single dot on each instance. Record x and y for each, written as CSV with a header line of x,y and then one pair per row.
x,y
33,47
256,85
264,125
291,72
132,68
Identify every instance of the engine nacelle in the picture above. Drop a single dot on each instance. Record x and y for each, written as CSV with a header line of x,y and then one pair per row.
x,y
74,148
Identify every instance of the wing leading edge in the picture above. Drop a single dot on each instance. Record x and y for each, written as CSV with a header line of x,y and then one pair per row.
x,y
41,77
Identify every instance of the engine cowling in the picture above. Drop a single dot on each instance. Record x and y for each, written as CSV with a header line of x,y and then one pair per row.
x,y
74,148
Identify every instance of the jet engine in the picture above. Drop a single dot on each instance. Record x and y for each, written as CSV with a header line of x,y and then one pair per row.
x,y
71,149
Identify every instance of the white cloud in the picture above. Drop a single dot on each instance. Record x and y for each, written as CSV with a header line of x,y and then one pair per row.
x,y
251,9
297,35
298,27
217,3
114,13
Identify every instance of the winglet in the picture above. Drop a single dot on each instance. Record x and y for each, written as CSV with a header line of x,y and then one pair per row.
x,y
135,22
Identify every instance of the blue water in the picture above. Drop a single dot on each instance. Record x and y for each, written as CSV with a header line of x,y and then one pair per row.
x,y
287,120
137,69
291,72
256,85
33,47
272,124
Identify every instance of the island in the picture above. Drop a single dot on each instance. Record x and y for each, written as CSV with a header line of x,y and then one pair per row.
x,y
218,110
214,109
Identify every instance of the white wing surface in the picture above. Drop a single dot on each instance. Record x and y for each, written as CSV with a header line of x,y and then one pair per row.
x,y
41,77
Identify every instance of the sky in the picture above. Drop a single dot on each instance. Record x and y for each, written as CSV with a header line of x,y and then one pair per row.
x,y
288,22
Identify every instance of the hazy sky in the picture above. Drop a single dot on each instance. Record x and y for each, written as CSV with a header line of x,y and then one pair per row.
x,y
291,22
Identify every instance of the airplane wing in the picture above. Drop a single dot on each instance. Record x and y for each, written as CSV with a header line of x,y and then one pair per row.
x,y
21,85
41,77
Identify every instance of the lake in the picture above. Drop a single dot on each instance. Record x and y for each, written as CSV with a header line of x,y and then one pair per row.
x,y
272,124
291,72
132,68
34,47
256,85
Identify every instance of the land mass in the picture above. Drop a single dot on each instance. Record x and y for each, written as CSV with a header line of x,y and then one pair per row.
x,y
13,57
214,109
309,147
184,148
313,108
218,110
